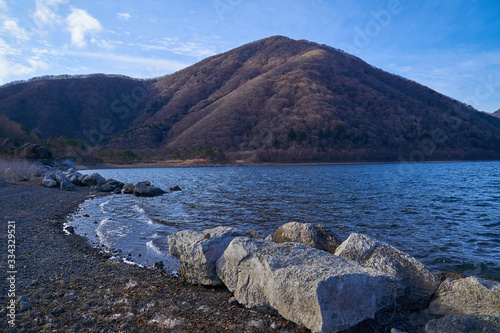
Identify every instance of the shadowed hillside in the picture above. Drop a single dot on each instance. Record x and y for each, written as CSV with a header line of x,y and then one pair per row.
x,y
274,100
85,108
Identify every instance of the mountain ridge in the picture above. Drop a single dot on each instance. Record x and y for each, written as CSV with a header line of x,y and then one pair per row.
x,y
272,100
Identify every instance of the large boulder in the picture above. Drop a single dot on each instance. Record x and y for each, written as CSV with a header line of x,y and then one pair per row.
x,y
67,186
470,296
325,293
416,283
35,152
73,176
461,324
49,182
197,252
143,190
58,176
115,183
128,188
92,179
314,235
107,188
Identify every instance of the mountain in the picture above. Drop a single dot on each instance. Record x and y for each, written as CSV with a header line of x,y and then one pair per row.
x,y
497,113
273,100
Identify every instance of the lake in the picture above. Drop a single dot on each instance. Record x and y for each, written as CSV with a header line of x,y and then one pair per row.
x,y
447,215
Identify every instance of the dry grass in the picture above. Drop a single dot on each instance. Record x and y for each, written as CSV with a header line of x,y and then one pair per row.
x,y
18,170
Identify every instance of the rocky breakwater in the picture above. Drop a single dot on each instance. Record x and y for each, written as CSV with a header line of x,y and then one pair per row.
x,y
332,290
67,180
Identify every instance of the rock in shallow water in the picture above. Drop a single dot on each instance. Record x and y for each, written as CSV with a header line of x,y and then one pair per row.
x,y
416,283
92,179
323,292
143,190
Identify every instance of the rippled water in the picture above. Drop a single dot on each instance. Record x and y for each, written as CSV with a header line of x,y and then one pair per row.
x,y
447,215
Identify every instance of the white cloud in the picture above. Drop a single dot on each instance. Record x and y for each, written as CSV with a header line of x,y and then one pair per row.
x,y
45,12
9,68
198,49
5,48
151,66
81,23
3,5
14,30
124,16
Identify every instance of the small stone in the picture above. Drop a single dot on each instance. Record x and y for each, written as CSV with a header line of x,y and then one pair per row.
x,y
24,305
175,188
59,310
22,299
159,265
69,295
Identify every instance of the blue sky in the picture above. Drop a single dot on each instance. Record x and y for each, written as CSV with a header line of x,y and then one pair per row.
x,y
452,46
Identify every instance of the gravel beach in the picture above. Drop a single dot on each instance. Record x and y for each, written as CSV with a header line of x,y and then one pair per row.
x,y
64,285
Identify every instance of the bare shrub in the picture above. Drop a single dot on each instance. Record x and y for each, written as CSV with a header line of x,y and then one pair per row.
x,y
18,170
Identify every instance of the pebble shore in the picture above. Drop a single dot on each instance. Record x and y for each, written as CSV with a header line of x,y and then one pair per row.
x,y
65,285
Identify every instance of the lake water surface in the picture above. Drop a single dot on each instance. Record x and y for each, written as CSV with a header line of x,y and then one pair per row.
x,y
447,215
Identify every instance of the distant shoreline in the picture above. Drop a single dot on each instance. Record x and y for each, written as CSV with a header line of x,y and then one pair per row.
x,y
191,165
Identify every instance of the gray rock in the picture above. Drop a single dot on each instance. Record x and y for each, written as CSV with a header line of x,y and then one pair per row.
x,y
470,296
74,178
461,324
416,283
65,163
24,306
23,299
92,179
325,293
143,190
49,182
67,186
128,188
314,235
58,176
197,252
115,183
252,234
105,188
175,188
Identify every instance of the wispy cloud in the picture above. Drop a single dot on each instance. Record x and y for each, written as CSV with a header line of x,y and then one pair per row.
x,y
3,5
197,49
151,66
80,23
11,27
9,68
124,16
46,12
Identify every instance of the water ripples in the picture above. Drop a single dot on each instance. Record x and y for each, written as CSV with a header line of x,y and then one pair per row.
x,y
445,214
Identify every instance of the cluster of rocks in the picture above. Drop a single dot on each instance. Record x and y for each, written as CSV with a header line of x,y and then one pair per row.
x,y
67,180
307,275
40,154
